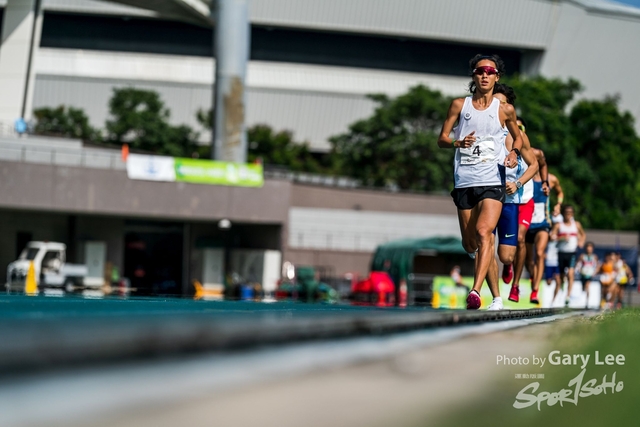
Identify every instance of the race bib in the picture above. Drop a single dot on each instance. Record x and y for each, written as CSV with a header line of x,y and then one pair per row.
x,y
483,150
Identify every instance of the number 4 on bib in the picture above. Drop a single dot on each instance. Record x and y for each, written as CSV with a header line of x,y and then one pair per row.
x,y
483,150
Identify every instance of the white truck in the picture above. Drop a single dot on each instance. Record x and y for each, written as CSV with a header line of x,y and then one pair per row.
x,y
50,267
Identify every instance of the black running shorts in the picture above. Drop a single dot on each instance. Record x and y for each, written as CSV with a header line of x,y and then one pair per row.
x,y
467,198
530,237
566,260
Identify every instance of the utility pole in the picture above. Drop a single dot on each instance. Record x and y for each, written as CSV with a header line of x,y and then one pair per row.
x,y
231,50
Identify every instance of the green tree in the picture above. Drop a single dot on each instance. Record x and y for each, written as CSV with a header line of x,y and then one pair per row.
x,y
396,146
543,104
606,140
591,146
273,148
279,148
64,122
140,119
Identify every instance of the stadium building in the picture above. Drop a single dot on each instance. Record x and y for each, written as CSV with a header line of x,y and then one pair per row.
x,y
312,64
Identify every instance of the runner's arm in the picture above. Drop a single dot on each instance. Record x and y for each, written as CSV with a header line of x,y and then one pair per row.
x,y
554,182
530,158
628,270
553,234
582,236
444,140
543,170
511,121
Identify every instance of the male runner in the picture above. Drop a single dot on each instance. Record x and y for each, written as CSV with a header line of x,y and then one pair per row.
x,y
570,236
537,236
480,154
518,207
623,276
587,265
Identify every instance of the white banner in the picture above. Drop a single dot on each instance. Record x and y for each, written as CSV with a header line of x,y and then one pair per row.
x,y
151,168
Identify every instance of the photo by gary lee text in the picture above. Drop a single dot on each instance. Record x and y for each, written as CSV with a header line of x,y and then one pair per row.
x,y
559,359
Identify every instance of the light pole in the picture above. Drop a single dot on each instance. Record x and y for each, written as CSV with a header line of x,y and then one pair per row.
x,y
231,46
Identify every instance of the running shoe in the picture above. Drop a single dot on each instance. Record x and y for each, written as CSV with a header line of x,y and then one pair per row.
x,y
472,255
473,301
496,304
514,294
507,273
534,297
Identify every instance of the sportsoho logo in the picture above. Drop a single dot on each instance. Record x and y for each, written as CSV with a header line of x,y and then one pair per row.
x,y
577,388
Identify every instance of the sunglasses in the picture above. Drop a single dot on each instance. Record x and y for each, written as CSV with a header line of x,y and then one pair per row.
x,y
486,69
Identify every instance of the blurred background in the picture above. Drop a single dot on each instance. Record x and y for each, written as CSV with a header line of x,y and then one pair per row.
x,y
157,152
338,103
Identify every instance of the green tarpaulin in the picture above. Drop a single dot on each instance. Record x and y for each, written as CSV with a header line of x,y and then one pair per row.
x,y
396,257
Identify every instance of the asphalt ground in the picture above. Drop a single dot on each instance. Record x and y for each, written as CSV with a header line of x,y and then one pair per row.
x,y
42,332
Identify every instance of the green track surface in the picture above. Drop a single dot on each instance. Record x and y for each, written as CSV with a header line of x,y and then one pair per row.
x,y
41,307
47,331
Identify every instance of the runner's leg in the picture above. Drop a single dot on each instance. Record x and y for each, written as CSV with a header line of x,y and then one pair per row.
x,y
541,240
488,213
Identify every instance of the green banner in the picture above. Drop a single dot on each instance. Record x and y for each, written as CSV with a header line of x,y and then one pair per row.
x,y
447,295
218,173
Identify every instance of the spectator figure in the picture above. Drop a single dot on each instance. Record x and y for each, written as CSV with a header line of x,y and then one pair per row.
x,y
457,278
570,236
587,266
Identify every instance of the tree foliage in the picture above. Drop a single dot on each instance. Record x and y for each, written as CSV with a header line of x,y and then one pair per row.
x,y
276,148
279,148
605,139
589,144
140,119
64,122
396,146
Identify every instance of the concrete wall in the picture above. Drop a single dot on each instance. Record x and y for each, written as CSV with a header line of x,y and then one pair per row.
x,y
75,204
41,226
110,192
342,227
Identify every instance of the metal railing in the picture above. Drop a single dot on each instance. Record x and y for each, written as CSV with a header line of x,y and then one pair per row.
x,y
39,153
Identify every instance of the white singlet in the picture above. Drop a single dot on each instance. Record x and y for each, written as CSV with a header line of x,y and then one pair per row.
x,y
589,266
477,166
568,237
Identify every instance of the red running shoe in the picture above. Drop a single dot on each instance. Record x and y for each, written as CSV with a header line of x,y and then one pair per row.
x,y
473,301
514,295
507,273
534,297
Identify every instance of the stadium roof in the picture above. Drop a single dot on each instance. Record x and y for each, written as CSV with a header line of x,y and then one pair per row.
x,y
197,11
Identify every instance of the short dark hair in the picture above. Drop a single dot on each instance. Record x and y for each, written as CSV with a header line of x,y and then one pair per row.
x,y
522,121
479,57
507,91
590,244
565,207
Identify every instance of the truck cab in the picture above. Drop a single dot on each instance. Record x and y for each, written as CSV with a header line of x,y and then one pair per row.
x,y
51,269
